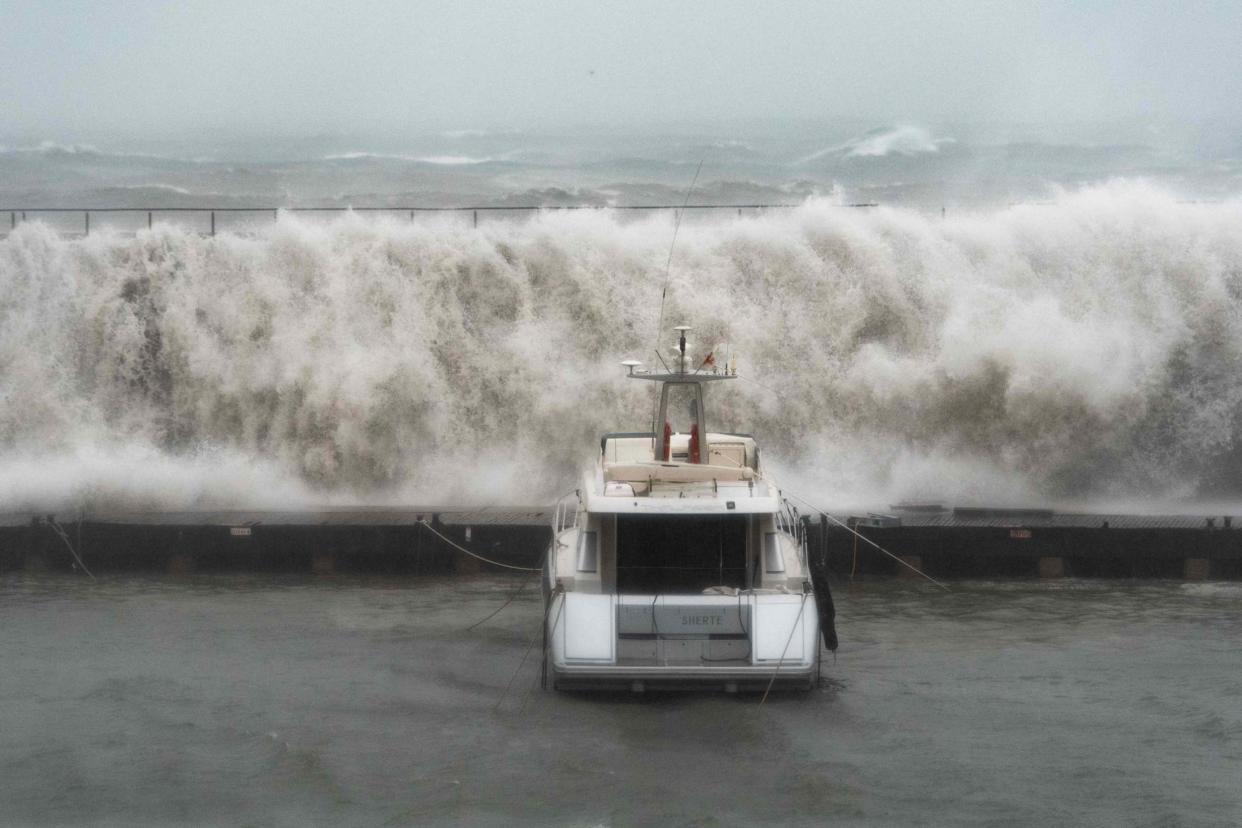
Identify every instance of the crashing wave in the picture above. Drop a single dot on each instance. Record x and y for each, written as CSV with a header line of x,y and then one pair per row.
x,y
1091,347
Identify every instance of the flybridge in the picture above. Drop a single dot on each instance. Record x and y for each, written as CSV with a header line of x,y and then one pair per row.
x,y
682,382
680,467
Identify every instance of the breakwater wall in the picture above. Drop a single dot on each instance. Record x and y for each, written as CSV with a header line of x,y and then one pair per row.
x,y
976,542
397,541
943,542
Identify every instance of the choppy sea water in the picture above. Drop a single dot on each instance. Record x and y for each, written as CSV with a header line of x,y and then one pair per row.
x,y
931,166
260,700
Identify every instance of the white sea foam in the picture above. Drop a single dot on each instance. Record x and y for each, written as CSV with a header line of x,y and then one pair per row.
x,y
57,148
440,160
1213,590
170,188
455,160
900,140
1091,347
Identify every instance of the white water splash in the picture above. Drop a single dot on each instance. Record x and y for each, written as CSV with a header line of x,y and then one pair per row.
x,y
1089,348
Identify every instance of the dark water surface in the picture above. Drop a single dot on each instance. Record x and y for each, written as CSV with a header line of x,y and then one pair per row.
x,y
279,701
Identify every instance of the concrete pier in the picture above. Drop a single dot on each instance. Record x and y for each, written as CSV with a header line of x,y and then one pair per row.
x,y
913,565
466,565
181,563
1051,567
943,542
323,541
1024,543
1197,569
323,562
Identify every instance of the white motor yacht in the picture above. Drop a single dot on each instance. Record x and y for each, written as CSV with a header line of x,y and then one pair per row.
x,y
677,562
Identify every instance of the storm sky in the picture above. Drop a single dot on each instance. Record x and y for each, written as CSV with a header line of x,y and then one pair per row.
x,y
247,67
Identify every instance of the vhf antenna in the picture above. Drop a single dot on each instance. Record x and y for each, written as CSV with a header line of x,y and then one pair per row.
x,y
668,265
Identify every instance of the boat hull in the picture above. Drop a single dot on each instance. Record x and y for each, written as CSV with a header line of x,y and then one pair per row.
x,y
677,678
746,641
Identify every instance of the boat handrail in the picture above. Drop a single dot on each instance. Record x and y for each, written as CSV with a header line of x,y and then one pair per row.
x,y
562,512
787,521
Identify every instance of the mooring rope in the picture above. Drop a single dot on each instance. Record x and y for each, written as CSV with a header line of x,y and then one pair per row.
x,y
848,528
551,599
509,601
61,532
788,641
466,551
864,538
854,565
542,678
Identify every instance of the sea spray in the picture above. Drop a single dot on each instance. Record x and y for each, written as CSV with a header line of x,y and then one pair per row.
x,y
1082,349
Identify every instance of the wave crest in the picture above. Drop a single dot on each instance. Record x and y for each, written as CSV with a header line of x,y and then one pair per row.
x,y
1087,348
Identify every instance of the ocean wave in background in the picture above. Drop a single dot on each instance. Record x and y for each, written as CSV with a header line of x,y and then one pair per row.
x,y
1089,348
955,166
49,147
901,140
447,160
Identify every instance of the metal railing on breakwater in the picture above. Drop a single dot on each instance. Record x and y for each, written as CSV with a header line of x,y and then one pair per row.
x,y
209,214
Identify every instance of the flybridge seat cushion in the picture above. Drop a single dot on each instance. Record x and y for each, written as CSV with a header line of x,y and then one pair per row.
x,y
674,472
727,454
722,449
627,449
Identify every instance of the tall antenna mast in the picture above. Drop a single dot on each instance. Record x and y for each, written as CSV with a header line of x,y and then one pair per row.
x,y
668,265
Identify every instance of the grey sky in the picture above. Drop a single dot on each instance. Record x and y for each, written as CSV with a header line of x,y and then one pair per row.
x,y
160,67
